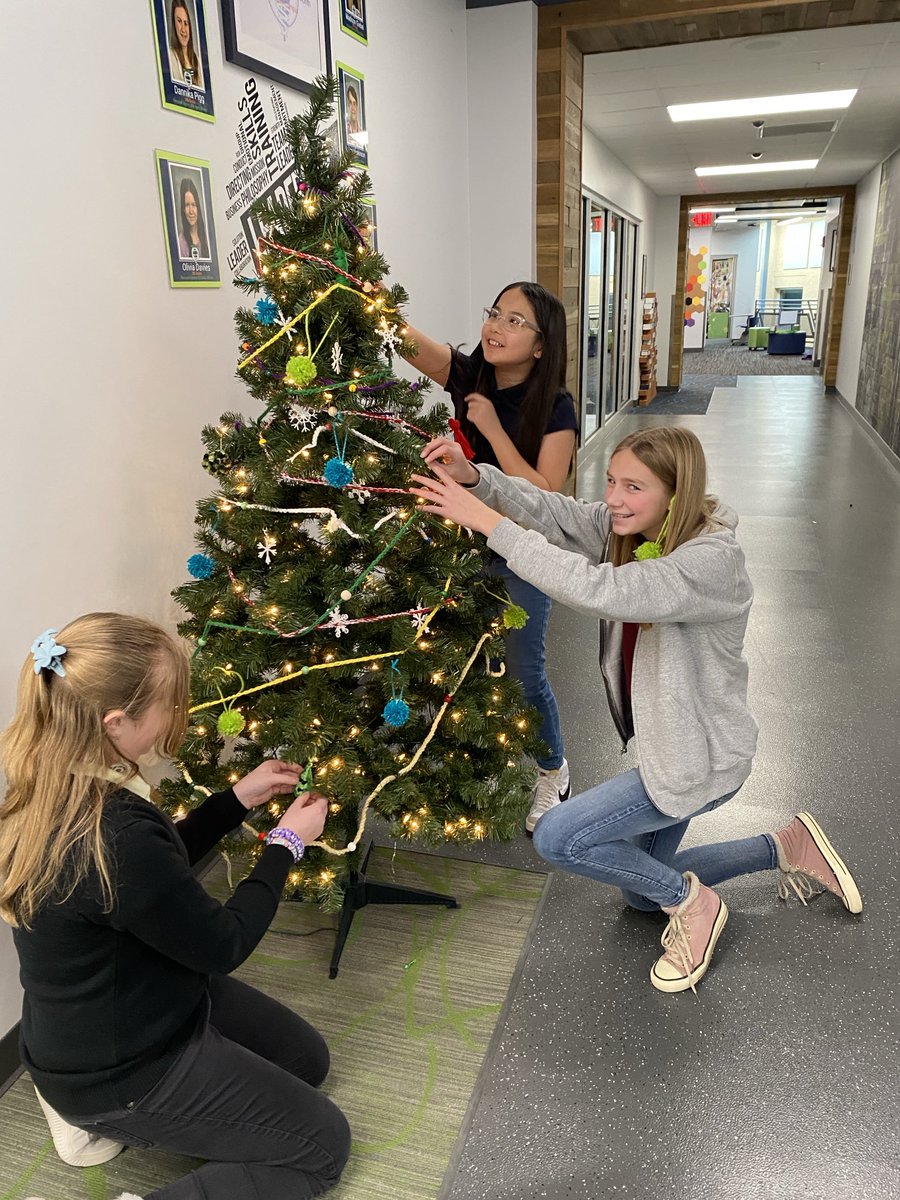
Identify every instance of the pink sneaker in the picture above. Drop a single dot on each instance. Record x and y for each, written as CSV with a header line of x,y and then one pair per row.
x,y
809,864
690,938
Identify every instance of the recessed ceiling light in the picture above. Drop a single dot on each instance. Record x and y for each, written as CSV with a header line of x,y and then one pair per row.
x,y
803,164
757,106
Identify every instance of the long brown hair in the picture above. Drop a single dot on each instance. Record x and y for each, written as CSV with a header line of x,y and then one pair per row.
x,y
50,819
547,377
676,458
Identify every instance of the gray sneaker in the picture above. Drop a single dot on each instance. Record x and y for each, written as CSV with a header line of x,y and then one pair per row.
x,y
552,788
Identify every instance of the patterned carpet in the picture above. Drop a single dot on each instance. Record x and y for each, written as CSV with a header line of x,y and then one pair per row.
x,y
408,1021
721,358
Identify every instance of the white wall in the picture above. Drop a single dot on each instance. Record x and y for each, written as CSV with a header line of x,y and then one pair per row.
x,y
114,373
502,49
861,248
744,242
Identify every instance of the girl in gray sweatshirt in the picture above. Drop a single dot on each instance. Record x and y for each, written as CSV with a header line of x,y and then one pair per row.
x,y
657,561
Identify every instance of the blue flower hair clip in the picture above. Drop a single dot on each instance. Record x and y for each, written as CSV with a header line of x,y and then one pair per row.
x,y
47,653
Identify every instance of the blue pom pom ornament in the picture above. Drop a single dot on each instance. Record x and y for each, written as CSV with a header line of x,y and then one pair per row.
x,y
338,473
201,566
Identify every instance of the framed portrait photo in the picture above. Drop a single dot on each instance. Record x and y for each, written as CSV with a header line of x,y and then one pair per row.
x,y
185,196
369,226
352,103
353,20
284,40
182,57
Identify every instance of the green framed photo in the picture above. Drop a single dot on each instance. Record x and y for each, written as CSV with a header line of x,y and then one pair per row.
x,y
182,57
352,101
354,21
185,197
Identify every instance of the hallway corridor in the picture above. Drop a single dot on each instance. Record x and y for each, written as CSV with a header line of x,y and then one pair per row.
x,y
779,1080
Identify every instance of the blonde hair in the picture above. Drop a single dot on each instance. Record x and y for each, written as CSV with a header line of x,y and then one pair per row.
x,y
676,458
50,820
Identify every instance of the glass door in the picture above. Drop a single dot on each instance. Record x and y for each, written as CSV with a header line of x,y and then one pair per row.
x,y
608,315
592,293
613,277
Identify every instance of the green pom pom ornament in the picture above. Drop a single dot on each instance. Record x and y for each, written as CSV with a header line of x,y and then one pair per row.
x,y
230,723
300,371
514,617
648,550
655,549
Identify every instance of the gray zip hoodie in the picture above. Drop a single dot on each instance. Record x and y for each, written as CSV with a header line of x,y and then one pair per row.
x,y
694,732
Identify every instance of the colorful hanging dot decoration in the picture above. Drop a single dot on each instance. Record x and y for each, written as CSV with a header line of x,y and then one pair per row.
x,y
338,471
396,711
300,371
230,722
201,566
266,311
695,286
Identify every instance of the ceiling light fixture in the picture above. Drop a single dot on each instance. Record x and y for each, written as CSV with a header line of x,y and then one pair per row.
x,y
800,164
713,208
757,106
774,215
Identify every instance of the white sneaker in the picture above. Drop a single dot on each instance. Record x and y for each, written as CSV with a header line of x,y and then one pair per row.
x,y
552,788
76,1146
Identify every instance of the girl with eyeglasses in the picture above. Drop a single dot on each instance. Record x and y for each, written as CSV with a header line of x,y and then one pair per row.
x,y
509,396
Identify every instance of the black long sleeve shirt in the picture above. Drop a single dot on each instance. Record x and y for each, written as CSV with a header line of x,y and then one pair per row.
x,y
111,998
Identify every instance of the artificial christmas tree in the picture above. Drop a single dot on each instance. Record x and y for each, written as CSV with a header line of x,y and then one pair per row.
x,y
335,623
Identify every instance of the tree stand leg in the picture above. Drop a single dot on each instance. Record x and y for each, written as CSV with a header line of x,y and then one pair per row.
x,y
361,891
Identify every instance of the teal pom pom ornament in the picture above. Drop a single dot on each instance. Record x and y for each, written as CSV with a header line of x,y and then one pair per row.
x,y
338,473
266,311
201,566
514,617
230,723
300,371
396,712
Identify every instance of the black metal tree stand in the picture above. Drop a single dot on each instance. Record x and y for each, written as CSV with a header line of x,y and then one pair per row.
x,y
361,891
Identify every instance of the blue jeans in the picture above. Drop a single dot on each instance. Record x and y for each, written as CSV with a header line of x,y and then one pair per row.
x,y
615,833
526,657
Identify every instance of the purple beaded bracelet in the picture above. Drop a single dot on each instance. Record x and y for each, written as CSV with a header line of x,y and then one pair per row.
x,y
286,837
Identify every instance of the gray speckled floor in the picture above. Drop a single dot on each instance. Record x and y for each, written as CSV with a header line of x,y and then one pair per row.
x,y
779,1081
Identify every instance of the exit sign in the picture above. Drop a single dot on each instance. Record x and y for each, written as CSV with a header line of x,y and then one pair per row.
x,y
701,218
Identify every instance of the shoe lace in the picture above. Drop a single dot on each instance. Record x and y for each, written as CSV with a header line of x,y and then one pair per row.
x,y
676,942
546,794
798,883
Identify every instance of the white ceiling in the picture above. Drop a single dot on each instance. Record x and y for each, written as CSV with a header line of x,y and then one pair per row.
x,y
625,98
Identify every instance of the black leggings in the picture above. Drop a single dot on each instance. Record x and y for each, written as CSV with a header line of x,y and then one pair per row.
x,y
243,1095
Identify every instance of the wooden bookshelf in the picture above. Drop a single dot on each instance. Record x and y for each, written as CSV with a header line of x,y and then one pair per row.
x,y
650,316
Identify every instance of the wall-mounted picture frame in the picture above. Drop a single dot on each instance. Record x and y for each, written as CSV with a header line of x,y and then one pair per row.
x,y
182,57
352,103
354,21
832,254
284,40
185,197
369,226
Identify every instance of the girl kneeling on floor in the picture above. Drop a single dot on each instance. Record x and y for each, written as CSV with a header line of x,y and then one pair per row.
x,y
132,1028
658,562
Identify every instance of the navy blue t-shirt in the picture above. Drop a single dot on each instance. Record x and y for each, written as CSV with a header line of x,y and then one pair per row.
x,y
463,380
